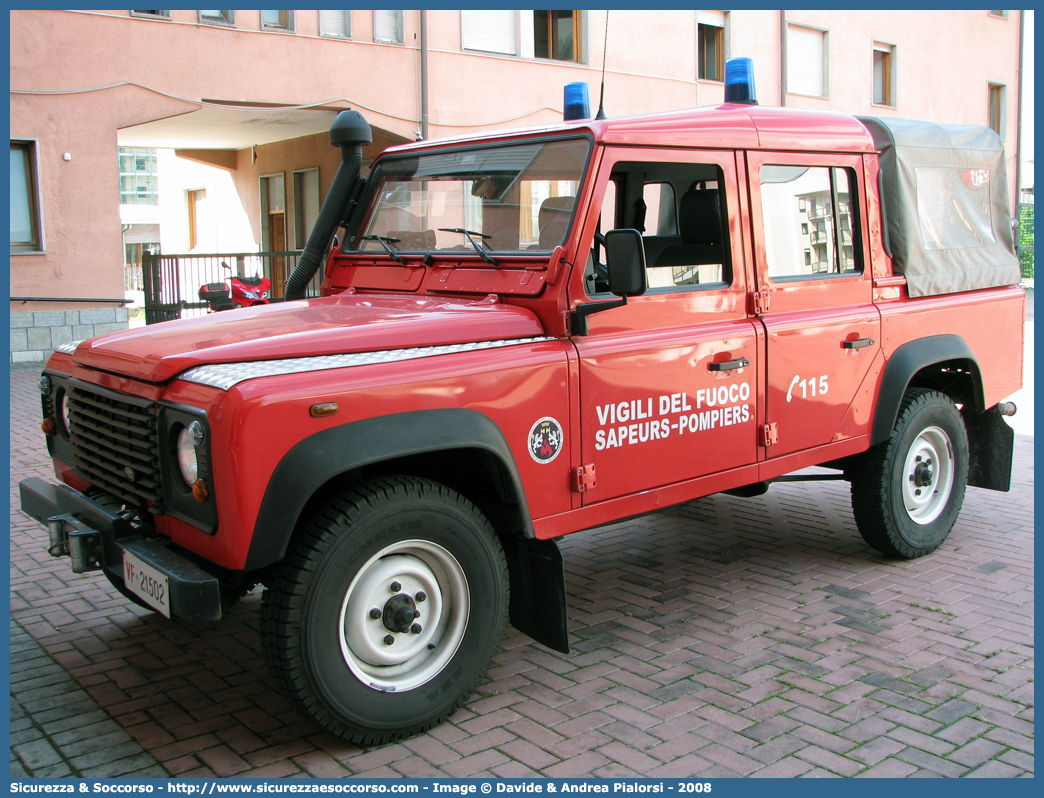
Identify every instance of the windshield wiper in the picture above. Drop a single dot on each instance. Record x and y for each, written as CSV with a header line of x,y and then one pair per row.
x,y
383,241
468,235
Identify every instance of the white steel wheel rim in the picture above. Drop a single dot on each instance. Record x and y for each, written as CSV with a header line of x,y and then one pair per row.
x,y
430,580
928,475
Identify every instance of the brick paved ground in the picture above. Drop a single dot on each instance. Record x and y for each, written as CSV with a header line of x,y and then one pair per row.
x,y
726,637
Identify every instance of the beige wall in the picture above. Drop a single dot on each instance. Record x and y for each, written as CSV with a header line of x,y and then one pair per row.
x,y
286,157
650,66
80,196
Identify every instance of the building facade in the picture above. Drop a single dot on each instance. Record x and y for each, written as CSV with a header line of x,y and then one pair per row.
x,y
235,107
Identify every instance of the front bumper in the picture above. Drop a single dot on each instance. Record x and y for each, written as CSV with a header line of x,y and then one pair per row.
x,y
94,537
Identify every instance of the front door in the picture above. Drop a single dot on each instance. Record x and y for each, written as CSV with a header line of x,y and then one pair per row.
x,y
823,331
669,382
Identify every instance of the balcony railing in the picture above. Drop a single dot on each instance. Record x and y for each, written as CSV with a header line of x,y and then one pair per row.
x,y
171,282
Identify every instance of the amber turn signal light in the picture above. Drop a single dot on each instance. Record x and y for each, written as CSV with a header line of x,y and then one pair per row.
x,y
323,409
200,491
49,427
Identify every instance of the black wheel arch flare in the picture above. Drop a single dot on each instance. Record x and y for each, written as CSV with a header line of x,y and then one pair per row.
x,y
325,455
903,366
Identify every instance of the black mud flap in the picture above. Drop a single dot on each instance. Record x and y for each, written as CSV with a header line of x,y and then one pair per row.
x,y
991,445
538,590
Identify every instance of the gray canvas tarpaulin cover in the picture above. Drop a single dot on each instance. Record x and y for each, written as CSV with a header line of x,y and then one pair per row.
x,y
945,204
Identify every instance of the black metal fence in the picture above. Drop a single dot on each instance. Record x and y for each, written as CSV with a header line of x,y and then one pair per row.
x,y
171,282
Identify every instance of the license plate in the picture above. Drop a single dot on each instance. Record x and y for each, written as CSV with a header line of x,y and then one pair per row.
x,y
147,583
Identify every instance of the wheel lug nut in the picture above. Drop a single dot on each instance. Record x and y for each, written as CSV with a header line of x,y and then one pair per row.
x,y
388,640
917,492
395,587
421,596
416,629
918,458
416,613
375,613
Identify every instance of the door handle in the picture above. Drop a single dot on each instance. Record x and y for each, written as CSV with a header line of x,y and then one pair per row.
x,y
729,365
860,344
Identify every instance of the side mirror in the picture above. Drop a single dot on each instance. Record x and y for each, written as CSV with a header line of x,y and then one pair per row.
x,y
625,259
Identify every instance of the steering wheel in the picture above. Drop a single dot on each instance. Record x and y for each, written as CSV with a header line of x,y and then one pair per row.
x,y
598,279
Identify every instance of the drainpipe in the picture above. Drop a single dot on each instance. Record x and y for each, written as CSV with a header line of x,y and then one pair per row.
x,y
783,58
123,240
424,72
1018,132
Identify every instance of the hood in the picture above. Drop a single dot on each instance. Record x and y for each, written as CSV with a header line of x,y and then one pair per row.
x,y
303,328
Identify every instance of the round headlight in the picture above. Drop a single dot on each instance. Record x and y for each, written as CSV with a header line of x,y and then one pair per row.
x,y
186,452
63,413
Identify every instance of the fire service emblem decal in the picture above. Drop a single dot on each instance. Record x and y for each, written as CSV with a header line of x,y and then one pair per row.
x,y
545,440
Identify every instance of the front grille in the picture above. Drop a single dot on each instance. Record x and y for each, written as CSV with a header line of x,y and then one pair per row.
x,y
114,444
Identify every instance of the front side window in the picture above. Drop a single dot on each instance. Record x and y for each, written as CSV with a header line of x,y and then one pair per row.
x,y
808,216
26,227
679,208
511,198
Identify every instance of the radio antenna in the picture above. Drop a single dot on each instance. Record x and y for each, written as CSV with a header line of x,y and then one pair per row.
x,y
601,91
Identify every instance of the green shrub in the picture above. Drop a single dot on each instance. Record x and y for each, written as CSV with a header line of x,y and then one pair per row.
x,y
1025,243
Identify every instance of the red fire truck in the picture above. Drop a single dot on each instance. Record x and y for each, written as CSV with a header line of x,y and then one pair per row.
x,y
530,333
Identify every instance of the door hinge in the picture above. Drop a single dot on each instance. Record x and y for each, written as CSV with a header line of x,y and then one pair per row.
x,y
584,478
769,434
758,302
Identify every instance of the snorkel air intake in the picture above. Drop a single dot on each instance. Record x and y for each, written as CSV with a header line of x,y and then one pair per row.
x,y
351,133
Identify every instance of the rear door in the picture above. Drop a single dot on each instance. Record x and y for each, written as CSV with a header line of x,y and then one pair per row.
x,y
668,383
815,297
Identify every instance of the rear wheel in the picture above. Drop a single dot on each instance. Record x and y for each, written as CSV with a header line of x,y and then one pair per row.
x,y
387,610
908,491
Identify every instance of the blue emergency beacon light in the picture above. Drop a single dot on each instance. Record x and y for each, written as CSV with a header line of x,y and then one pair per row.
x,y
739,81
577,102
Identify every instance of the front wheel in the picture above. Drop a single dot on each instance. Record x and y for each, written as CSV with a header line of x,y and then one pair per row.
x,y
908,491
387,610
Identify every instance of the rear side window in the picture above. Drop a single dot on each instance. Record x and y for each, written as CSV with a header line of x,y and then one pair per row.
x,y
809,221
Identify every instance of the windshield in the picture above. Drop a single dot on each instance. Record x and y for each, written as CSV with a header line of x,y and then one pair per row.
x,y
508,198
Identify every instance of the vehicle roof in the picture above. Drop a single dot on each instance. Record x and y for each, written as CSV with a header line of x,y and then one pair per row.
x,y
750,127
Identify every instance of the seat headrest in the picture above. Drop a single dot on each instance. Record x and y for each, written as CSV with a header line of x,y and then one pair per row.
x,y
699,216
553,219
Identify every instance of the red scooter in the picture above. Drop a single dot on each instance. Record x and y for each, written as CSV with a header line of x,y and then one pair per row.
x,y
246,292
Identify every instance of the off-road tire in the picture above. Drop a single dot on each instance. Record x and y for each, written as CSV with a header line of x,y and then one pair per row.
x,y
371,538
904,506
